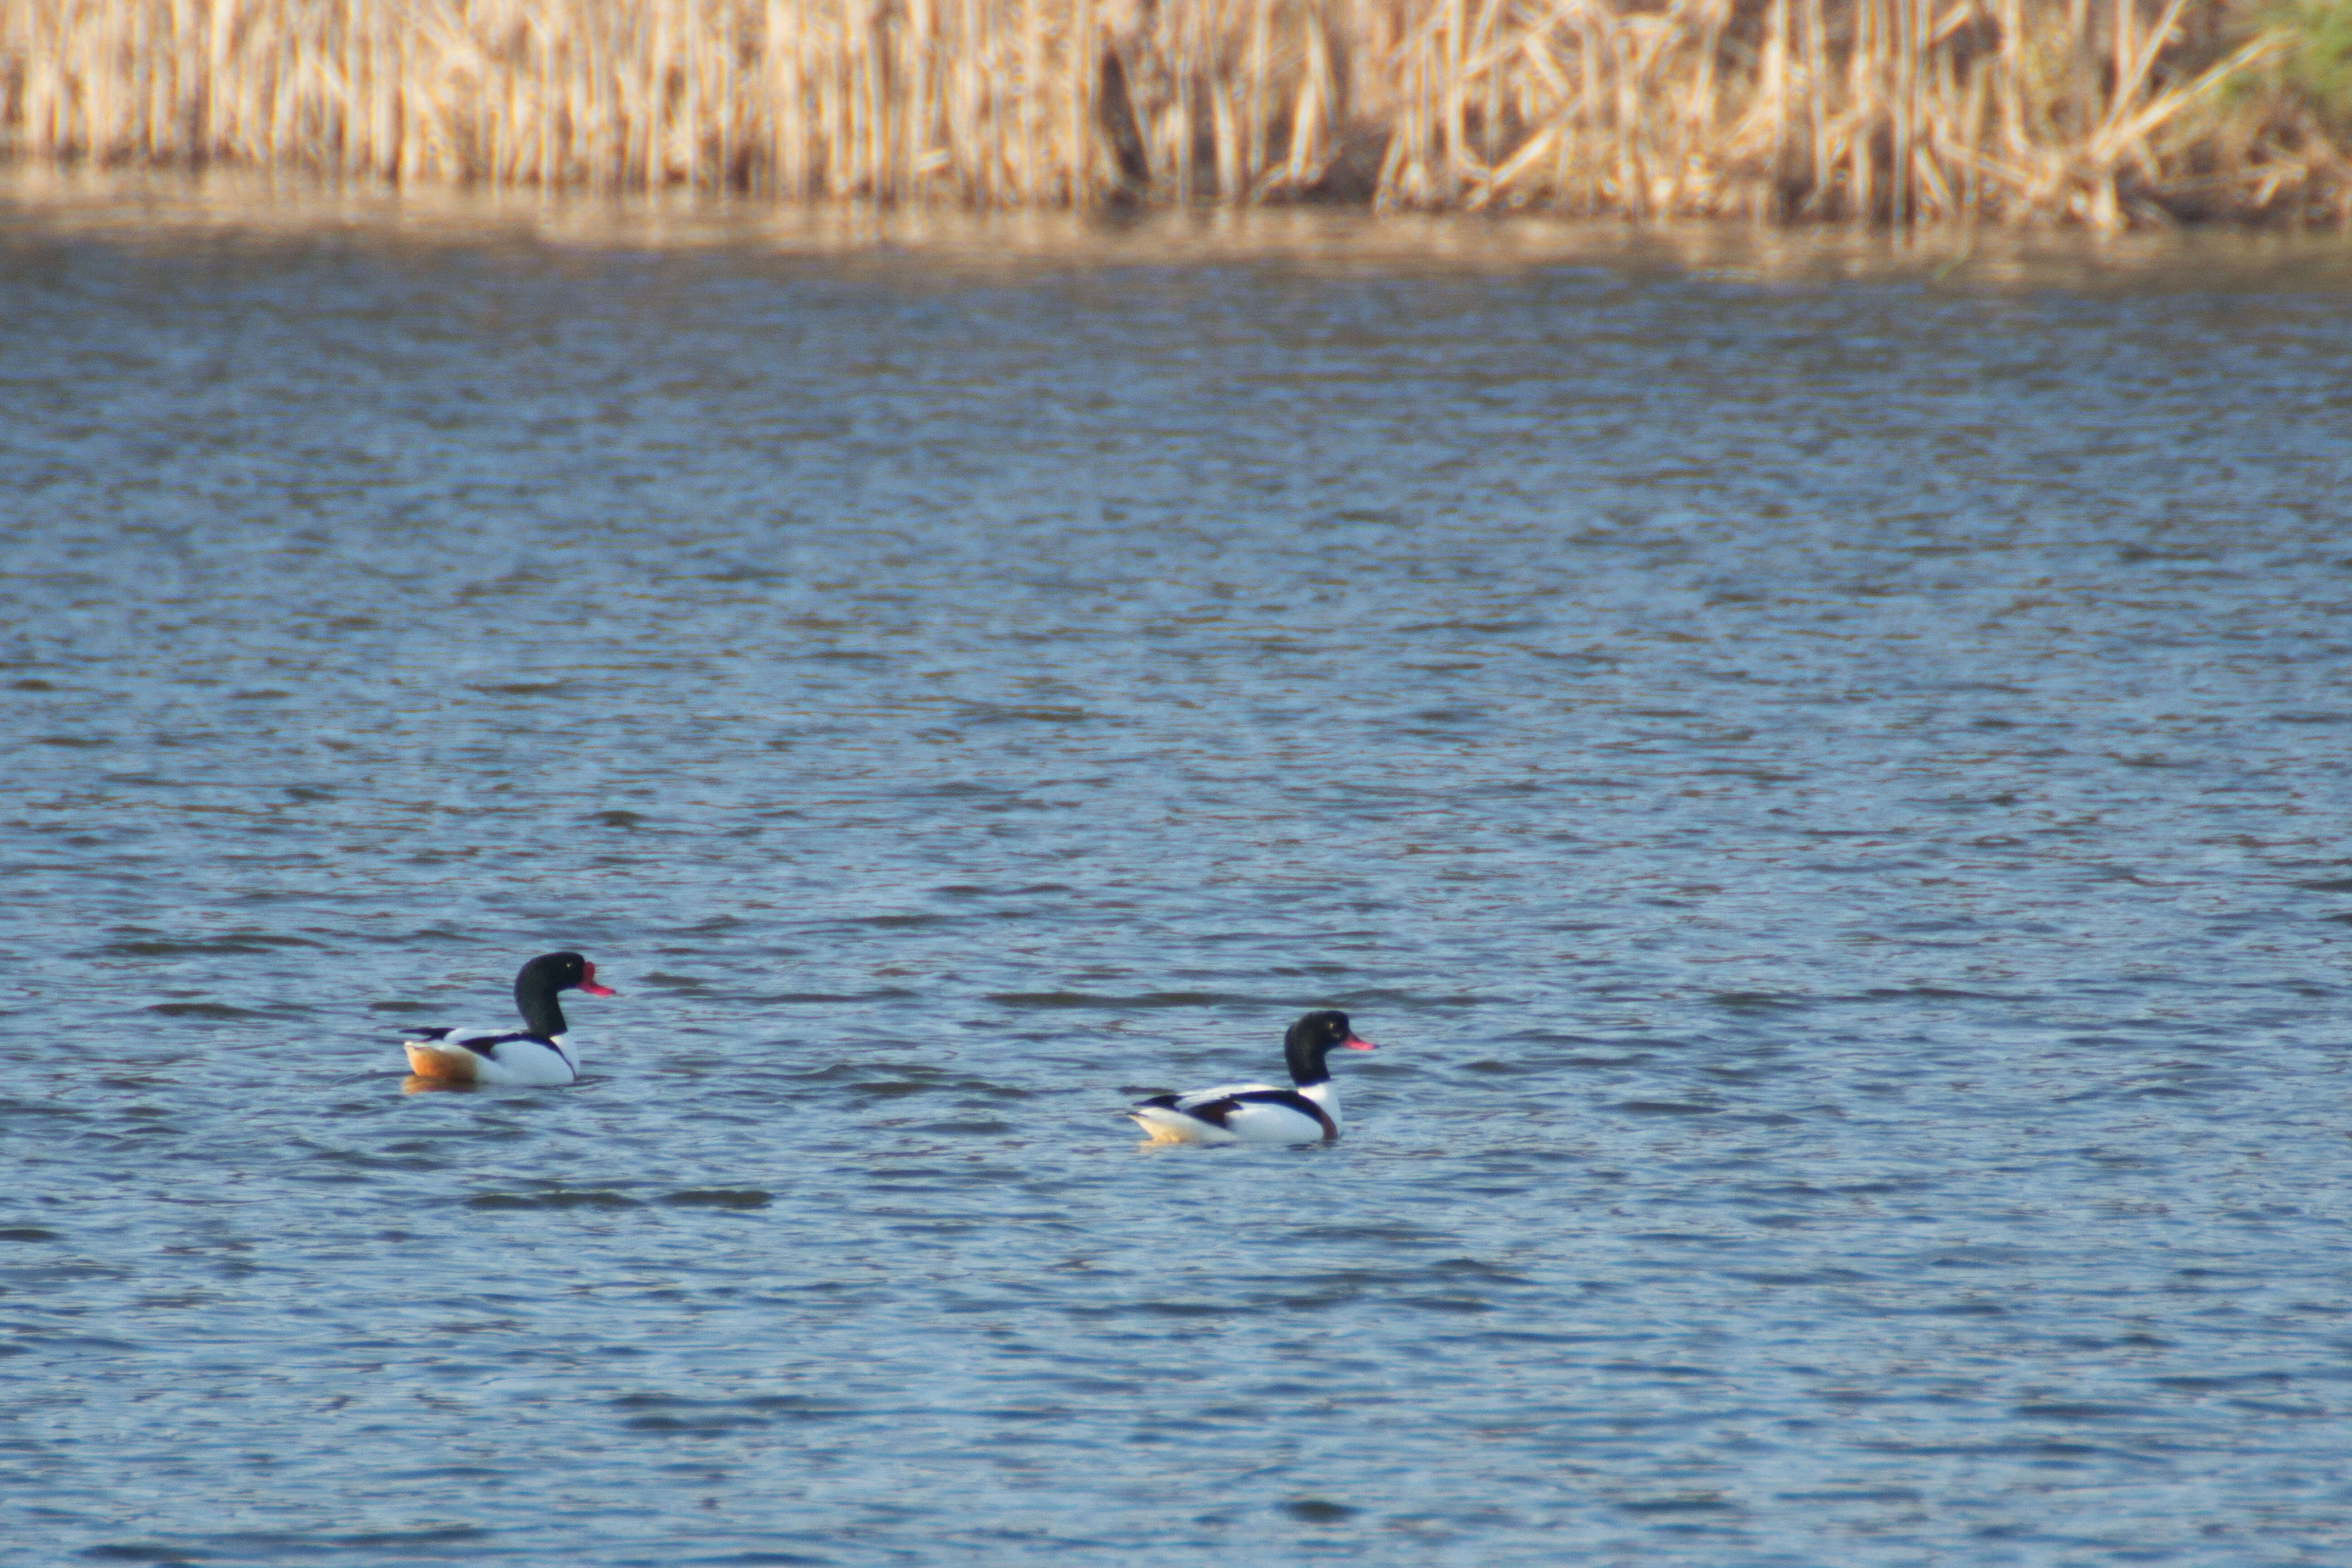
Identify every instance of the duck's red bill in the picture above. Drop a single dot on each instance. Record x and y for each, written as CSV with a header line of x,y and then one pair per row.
x,y
1355,1043
588,983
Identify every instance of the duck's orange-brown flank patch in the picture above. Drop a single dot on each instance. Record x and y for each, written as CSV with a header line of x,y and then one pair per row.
x,y
442,1066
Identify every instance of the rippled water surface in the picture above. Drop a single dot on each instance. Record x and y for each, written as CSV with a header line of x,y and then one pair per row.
x,y
1829,788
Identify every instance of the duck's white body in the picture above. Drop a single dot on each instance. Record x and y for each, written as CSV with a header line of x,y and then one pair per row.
x,y
1243,1113
493,1056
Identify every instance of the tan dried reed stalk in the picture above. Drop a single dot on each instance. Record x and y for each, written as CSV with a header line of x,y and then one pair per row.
x,y
1902,111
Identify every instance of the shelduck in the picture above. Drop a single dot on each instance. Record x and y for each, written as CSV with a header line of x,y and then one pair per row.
x,y
536,1054
1260,1112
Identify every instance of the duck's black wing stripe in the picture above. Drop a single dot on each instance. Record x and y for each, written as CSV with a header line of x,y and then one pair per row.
x,y
488,1043
1289,1099
422,1034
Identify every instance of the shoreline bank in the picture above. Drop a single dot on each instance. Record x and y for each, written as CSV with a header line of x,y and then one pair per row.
x,y
236,209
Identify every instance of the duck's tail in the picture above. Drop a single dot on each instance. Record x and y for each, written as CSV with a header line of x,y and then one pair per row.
x,y
1163,1124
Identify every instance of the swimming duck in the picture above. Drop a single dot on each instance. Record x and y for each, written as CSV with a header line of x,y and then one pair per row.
x,y
1259,1112
536,1054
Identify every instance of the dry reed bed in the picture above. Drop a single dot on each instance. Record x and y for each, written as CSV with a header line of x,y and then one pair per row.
x,y
2099,112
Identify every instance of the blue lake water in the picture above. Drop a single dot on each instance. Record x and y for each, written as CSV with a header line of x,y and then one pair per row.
x,y
1828,781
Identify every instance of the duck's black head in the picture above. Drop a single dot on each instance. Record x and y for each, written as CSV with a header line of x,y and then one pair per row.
x,y
1314,1037
541,978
